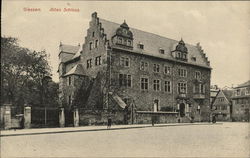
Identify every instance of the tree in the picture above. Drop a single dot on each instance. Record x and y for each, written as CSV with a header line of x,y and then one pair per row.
x,y
22,72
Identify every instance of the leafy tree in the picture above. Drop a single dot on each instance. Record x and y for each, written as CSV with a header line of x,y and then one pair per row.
x,y
24,75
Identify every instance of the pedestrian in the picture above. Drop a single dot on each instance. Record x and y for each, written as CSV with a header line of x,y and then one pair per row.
x,y
109,122
153,121
214,119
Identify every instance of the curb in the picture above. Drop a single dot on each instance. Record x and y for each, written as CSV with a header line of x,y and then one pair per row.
x,y
105,129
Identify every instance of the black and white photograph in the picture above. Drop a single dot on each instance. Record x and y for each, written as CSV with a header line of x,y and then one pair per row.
x,y
125,79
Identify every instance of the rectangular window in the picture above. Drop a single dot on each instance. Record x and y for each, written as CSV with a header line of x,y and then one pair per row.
x,y
69,80
93,34
129,43
167,70
182,72
237,92
156,85
144,83
167,86
89,63
162,51
119,40
182,87
96,43
125,80
197,75
156,68
124,62
141,46
247,91
144,66
69,100
98,60
90,45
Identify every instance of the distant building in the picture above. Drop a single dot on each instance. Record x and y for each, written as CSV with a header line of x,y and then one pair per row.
x,y
213,93
241,102
149,73
222,105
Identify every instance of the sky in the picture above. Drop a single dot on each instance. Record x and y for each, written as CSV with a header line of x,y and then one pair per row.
x,y
222,28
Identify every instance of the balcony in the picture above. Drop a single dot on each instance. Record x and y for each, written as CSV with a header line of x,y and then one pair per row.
x,y
199,96
182,96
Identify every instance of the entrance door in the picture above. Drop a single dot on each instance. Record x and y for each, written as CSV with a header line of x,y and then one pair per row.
x,y
182,109
156,105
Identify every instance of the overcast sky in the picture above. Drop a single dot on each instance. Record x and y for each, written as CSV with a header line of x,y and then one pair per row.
x,y
222,28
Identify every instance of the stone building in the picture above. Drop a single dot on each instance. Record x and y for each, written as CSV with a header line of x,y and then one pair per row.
x,y
241,102
223,105
146,74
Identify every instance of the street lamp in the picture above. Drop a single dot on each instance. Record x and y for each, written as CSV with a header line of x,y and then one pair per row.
x,y
45,81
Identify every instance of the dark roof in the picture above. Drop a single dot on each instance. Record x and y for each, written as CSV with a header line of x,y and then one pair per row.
x,y
152,43
228,94
69,48
244,84
76,70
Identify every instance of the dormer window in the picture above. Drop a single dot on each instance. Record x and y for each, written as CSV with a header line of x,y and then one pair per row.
x,y
162,51
125,42
181,51
119,40
141,46
129,43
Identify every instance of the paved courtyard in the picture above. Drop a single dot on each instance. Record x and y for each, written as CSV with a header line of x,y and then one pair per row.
x,y
219,140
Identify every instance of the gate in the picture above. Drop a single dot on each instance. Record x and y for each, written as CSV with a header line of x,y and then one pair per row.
x,y
44,117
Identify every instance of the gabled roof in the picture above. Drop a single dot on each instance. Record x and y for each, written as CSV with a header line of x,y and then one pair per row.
x,y
69,48
228,94
244,84
152,43
76,70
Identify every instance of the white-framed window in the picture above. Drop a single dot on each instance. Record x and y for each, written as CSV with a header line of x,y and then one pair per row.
x,y
197,75
182,87
237,92
167,86
167,70
89,63
156,85
182,72
156,68
143,66
124,61
98,60
247,91
125,41
144,83
125,80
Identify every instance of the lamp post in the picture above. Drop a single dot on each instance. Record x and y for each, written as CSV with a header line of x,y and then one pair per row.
x,y
45,81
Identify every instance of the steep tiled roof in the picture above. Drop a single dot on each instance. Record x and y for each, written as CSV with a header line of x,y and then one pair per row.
x,y
76,70
244,84
228,94
69,48
152,43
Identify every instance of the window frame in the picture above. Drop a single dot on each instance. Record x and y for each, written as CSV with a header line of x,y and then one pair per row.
x,y
182,86
182,72
156,68
144,81
167,87
125,80
157,85
167,67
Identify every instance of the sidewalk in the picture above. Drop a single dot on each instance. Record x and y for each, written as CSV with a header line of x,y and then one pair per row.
x,y
38,131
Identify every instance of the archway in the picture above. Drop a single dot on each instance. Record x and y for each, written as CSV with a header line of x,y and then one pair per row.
x,y
182,109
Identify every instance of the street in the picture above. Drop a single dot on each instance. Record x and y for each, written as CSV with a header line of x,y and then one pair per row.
x,y
215,140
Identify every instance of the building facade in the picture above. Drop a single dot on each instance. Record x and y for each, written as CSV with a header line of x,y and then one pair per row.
x,y
144,72
241,102
223,105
